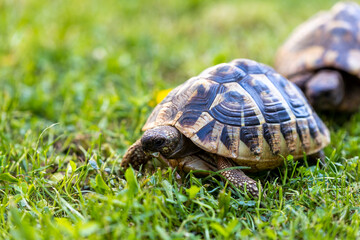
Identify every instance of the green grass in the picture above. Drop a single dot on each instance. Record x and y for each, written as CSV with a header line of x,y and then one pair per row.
x,y
76,80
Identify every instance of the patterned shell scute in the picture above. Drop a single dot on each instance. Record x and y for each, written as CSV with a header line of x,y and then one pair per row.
x,y
330,39
243,110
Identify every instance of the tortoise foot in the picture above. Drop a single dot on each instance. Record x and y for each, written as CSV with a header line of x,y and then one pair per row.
x,y
135,156
237,177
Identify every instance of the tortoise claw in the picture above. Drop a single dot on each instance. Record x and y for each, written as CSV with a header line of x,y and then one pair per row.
x,y
237,177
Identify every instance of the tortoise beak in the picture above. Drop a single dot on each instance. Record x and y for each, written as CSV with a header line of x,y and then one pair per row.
x,y
152,154
155,154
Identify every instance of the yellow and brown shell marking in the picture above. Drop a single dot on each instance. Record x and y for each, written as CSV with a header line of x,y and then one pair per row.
x,y
243,110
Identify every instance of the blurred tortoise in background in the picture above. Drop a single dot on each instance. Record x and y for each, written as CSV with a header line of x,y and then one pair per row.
x,y
322,57
241,113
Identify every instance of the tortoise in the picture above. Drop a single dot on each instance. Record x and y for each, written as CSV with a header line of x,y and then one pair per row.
x,y
322,57
241,113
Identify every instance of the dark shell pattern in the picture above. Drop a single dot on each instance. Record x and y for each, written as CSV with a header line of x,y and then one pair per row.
x,y
243,110
330,39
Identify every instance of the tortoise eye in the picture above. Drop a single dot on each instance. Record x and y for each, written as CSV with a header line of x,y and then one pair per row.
x,y
159,142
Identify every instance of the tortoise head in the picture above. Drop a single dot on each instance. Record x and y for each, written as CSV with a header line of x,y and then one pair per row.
x,y
325,90
166,140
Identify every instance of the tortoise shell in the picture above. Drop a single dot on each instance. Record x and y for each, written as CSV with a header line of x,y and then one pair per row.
x,y
330,39
243,110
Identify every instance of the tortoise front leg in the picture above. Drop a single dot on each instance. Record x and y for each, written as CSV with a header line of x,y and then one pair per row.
x,y
236,176
135,156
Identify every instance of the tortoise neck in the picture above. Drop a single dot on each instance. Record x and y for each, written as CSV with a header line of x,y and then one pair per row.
x,y
185,148
325,90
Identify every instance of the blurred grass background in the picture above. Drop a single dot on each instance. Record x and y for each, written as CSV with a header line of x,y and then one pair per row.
x,y
92,68
92,64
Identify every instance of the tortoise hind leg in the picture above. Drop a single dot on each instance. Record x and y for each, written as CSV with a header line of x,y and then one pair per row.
x,y
313,158
237,177
135,156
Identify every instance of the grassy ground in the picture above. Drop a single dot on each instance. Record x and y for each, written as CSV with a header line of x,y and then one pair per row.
x,y
77,78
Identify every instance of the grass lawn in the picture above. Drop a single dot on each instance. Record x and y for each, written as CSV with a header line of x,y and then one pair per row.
x,y
78,80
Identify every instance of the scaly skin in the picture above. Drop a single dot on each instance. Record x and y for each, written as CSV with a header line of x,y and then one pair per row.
x,y
237,177
135,156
